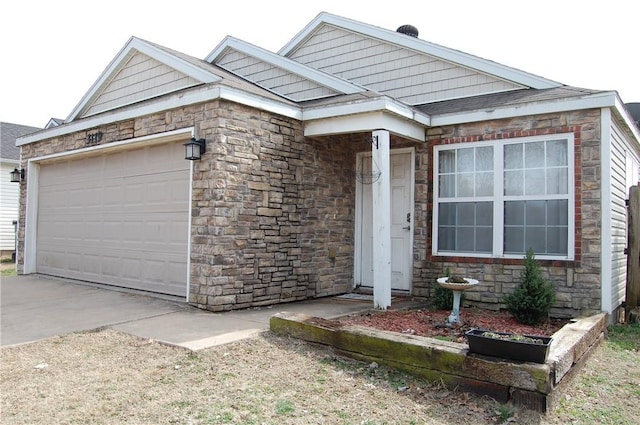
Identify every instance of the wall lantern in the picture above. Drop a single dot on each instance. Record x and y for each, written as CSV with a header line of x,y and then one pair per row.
x,y
194,149
17,175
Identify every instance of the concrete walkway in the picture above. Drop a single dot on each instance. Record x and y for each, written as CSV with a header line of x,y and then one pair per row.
x,y
35,307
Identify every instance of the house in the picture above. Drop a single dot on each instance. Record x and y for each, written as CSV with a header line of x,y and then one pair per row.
x,y
356,157
9,191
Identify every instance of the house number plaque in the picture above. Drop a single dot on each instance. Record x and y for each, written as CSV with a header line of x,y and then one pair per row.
x,y
94,138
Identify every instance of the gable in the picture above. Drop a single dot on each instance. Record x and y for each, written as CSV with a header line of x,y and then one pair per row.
x,y
405,74
141,71
278,74
141,77
271,77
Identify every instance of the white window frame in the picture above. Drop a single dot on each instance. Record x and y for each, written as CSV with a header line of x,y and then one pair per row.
x,y
499,198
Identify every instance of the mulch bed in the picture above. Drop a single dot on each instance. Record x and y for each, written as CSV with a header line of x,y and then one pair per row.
x,y
432,323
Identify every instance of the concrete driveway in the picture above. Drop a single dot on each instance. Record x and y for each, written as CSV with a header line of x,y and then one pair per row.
x,y
35,307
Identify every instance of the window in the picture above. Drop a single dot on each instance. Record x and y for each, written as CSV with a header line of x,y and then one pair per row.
x,y
500,198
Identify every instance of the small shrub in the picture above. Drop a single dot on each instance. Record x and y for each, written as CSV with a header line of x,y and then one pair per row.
x,y
443,298
532,300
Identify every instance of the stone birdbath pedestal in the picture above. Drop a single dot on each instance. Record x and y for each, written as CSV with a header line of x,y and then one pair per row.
x,y
457,285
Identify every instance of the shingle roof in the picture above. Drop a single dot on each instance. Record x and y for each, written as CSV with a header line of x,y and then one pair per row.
x,y
8,135
509,98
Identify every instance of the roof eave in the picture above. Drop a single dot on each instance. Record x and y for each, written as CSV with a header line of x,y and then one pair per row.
x,y
203,94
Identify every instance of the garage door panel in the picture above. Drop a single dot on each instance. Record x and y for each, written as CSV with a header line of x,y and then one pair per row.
x,y
119,219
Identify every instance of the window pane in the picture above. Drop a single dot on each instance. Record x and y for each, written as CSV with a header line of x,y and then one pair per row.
x,y
465,184
447,186
534,182
545,227
465,160
513,156
460,225
447,214
557,240
557,153
514,183
534,155
535,239
484,184
446,238
514,240
484,213
514,213
557,181
484,159
484,239
447,161
466,214
557,212
535,213
465,239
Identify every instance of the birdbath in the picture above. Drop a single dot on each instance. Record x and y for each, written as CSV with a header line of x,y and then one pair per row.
x,y
458,285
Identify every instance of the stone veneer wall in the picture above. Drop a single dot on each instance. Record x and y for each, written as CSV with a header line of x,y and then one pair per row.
x,y
578,282
273,212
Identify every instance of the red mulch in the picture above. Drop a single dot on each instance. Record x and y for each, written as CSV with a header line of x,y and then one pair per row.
x,y
431,323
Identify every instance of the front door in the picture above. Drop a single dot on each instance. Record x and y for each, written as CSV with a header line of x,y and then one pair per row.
x,y
401,222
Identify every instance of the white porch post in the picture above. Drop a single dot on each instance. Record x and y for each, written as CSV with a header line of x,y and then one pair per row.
x,y
381,203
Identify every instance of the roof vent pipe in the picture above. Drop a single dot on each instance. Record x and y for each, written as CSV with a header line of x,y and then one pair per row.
x,y
409,30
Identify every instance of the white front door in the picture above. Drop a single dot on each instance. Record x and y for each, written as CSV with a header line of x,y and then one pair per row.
x,y
401,222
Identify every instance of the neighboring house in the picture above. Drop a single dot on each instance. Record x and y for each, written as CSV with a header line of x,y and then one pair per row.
x,y
54,122
9,192
354,158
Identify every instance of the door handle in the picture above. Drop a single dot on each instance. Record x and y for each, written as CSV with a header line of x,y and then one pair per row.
x,y
407,228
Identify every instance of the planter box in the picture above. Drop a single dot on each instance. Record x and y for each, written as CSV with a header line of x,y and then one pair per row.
x,y
507,349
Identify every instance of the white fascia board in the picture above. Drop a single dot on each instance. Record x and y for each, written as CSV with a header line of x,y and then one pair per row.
x,y
175,101
599,100
152,51
628,120
373,105
278,61
370,121
447,54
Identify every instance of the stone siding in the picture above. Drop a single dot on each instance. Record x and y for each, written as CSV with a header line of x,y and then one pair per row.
x,y
273,213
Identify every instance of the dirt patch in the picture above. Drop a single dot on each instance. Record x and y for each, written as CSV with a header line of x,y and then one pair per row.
x,y
432,323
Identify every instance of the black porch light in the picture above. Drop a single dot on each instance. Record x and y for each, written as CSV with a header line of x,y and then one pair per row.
x,y
17,175
194,149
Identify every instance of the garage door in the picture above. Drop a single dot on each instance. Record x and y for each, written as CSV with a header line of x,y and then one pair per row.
x,y
118,218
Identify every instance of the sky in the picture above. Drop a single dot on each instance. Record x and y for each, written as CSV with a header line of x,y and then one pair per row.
x,y
53,51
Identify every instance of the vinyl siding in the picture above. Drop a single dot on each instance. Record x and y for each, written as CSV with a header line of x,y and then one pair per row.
x,y
141,78
9,197
407,75
620,151
270,77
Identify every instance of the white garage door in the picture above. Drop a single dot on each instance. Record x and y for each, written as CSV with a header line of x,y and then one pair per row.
x,y
117,218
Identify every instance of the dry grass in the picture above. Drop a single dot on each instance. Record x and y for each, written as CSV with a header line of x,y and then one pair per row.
x,y
106,377
7,267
